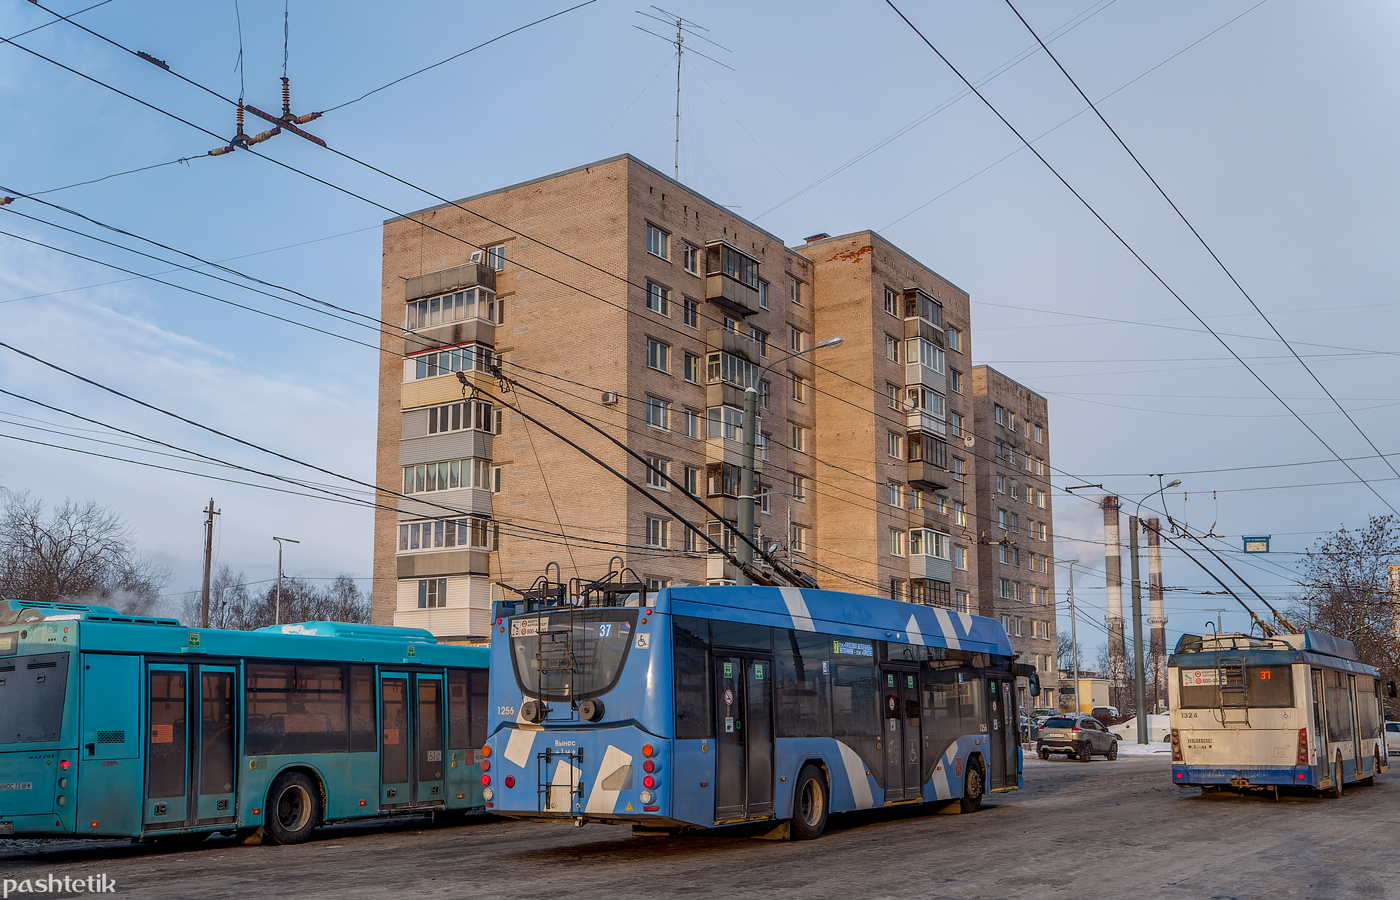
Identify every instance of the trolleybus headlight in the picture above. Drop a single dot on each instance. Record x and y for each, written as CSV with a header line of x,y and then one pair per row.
x,y
488,794
510,781
486,780
646,796
648,782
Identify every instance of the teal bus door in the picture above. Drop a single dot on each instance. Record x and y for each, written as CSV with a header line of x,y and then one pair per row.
x,y
167,746
395,742
214,764
430,741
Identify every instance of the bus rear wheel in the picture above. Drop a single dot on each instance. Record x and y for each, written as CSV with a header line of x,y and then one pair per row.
x,y
971,800
809,804
293,809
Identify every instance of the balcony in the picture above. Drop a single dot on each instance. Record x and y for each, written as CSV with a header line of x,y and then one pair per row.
x,y
731,278
456,278
731,342
932,568
730,450
918,373
921,420
928,517
445,562
928,476
480,331
918,328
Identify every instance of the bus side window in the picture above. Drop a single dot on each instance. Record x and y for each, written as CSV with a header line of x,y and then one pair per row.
x,y
363,734
476,702
694,720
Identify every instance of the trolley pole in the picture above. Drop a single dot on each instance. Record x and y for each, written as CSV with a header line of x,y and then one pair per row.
x,y
1139,676
209,515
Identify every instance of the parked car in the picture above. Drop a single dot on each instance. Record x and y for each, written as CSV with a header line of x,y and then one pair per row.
x,y
1041,713
1392,738
1076,736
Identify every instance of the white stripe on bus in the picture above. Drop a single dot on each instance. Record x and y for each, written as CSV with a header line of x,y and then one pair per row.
x,y
855,774
600,799
945,622
915,635
797,608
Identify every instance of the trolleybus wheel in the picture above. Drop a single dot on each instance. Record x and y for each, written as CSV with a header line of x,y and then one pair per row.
x,y
1113,750
1085,754
971,799
293,809
809,804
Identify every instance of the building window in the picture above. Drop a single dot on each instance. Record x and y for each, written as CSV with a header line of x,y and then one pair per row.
x,y
692,368
954,339
692,312
795,291
896,542
658,532
1044,532
475,303
1015,523
891,348
763,388
962,601
690,254
467,358
798,340
1000,483
894,444
729,323
657,470
760,445
450,475
797,539
1014,487
892,302
1018,626
960,557
760,337
1039,435
799,388
445,534
1002,522
659,413
896,589
799,438
724,422
658,298
928,354
960,513
658,242
896,494
692,423
891,395
1004,588
955,381
998,414
764,498
496,257
955,423
799,488
762,294
432,593
726,367
692,481
658,355
690,541
959,470
473,415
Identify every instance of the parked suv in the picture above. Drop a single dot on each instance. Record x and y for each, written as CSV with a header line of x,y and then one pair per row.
x,y
1076,736
1392,738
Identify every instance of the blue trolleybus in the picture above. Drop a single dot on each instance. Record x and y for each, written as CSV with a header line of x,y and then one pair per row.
x,y
121,726
1295,709
708,706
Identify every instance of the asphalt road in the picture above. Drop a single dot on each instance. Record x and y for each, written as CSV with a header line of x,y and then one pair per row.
x,y
1102,829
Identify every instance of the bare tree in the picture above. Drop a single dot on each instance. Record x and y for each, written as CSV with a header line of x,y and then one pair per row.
x,y
233,606
1348,578
74,552
1064,652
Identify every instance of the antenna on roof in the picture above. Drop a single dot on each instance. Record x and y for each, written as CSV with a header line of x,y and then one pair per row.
x,y
683,27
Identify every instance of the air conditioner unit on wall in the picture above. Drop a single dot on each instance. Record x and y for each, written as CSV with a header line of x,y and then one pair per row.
x,y
610,398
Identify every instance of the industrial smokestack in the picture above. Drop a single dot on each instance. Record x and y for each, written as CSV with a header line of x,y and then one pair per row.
x,y
1113,571
1157,616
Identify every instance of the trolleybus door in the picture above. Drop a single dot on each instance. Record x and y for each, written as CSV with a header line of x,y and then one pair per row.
x,y
214,768
429,743
1356,702
744,747
1319,726
1002,737
903,743
167,746
395,742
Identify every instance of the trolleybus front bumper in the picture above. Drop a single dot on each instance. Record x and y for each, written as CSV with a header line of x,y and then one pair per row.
x,y
1243,776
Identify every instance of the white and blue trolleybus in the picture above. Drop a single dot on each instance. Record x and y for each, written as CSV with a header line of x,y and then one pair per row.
x,y
697,707
1263,712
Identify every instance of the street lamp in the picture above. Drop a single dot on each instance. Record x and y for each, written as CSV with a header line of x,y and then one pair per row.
x,y
278,619
1140,688
746,478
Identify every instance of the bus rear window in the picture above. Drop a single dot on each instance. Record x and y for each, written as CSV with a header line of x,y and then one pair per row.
x,y
1256,687
32,689
570,654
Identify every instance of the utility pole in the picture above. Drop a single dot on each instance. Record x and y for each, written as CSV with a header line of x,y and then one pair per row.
x,y
1113,576
1073,636
1157,618
209,515
1139,673
278,614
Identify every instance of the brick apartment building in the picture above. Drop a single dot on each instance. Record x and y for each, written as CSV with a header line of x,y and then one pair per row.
x,y
646,308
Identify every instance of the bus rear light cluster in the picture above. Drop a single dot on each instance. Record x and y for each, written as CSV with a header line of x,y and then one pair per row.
x,y
649,766
1303,754
486,750
486,780
510,781
649,782
485,765
1176,746
648,750
646,796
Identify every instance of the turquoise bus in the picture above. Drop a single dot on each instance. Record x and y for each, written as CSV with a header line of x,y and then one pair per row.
x,y
128,726
698,707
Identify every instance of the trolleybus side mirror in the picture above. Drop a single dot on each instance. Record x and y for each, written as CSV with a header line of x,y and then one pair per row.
x,y
1035,685
1390,690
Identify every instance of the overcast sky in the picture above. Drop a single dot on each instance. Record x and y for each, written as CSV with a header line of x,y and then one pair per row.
x,y
1270,124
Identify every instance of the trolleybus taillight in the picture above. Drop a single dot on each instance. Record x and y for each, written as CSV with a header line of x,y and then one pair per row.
x,y
1302,746
1176,746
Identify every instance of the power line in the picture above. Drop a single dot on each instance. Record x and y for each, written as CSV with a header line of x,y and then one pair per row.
x,y
1160,280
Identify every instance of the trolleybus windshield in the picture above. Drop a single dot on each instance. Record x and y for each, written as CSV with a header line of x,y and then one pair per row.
x,y
570,654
